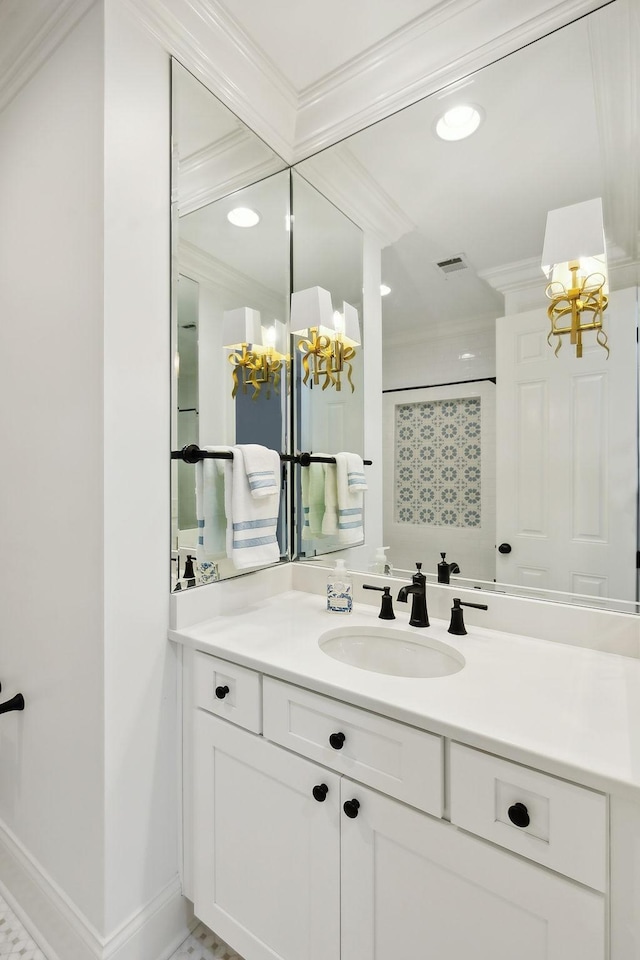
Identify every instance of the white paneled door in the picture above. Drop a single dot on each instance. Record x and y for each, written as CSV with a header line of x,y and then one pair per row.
x,y
567,470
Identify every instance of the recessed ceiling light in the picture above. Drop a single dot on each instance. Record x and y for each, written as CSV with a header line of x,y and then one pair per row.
x,y
459,122
384,289
243,217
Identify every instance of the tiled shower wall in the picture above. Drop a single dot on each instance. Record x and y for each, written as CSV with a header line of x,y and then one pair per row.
x,y
437,458
439,477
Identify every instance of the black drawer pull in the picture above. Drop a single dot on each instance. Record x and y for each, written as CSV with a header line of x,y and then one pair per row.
x,y
337,740
221,692
351,808
519,815
320,792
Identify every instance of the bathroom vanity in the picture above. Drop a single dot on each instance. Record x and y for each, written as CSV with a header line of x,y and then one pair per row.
x,y
331,811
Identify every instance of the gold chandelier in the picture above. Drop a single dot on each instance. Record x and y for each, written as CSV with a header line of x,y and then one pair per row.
x,y
328,338
259,356
574,261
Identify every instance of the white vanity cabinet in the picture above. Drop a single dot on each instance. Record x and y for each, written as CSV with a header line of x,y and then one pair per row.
x,y
308,847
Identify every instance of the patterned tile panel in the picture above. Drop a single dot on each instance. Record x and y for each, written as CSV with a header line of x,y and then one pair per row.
x,y
437,462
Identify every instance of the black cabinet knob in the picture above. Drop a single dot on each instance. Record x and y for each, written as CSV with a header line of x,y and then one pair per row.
x,y
351,808
221,692
519,815
337,740
320,792
504,548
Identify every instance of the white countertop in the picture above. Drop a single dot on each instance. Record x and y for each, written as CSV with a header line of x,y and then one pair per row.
x,y
571,711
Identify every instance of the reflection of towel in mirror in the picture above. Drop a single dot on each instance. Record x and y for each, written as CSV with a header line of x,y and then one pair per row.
x,y
351,484
213,480
255,503
312,484
262,467
330,519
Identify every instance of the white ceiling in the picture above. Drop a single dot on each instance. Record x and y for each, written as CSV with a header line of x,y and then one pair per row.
x,y
308,41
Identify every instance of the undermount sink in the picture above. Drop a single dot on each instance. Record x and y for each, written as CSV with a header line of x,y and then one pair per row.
x,y
392,652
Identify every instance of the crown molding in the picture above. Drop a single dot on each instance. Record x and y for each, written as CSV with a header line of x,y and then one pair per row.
x,y
463,36
227,282
350,186
222,168
31,37
452,330
204,37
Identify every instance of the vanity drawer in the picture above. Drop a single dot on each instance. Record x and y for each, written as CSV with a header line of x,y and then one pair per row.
x,y
393,757
567,824
242,704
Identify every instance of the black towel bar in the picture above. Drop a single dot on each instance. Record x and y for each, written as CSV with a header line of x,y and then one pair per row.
x,y
16,703
192,454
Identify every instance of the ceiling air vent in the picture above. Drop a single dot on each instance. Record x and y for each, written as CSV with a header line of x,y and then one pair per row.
x,y
453,265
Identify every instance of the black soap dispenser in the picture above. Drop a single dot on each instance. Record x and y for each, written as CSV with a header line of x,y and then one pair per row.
x,y
189,573
443,570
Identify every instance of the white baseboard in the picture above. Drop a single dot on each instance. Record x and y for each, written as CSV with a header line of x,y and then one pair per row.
x,y
63,932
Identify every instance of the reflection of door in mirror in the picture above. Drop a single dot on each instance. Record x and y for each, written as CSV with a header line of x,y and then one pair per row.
x,y
230,243
327,254
567,462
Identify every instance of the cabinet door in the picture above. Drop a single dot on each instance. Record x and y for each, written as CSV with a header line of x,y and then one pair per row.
x,y
412,885
266,852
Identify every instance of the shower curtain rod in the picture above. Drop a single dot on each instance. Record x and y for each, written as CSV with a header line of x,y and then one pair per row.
x,y
192,454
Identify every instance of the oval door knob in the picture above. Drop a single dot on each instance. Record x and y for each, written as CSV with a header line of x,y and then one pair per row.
x,y
221,692
337,740
351,808
504,548
320,792
519,815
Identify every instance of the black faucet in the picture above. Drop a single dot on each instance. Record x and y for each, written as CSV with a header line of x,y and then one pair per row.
x,y
419,614
446,569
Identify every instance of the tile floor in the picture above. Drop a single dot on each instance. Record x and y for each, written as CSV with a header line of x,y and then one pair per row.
x,y
16,944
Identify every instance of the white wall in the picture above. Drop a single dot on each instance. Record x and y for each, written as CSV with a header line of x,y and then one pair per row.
x,y
89,787
51,483
141,812
433,360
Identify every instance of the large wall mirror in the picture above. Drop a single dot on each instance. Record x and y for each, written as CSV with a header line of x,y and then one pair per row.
x,y
519,465
329,407
230,286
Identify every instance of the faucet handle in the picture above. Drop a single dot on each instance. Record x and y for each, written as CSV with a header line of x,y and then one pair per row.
x,y
457,626
386,609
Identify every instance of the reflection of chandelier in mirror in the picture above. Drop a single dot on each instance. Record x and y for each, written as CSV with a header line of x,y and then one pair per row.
x,y
259,353
328,337
574,261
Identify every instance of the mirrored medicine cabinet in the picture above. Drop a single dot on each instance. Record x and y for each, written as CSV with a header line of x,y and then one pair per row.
x,y
520,465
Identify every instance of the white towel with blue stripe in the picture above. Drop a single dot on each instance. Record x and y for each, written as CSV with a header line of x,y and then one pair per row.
x,y
330,518
312,483
213,487
351,484
255,502
262,467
